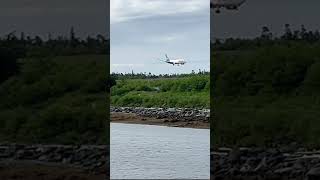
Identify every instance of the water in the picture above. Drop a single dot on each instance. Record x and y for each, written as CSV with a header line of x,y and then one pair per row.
x,y
159,152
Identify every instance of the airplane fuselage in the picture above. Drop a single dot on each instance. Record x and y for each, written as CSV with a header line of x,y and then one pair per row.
x,y
176,61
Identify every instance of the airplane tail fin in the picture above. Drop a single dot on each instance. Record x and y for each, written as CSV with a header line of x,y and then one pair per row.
x,y
167,59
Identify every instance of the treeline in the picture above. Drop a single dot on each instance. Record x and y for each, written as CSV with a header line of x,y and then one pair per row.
x,y
149,75
267,38
55,46
13,48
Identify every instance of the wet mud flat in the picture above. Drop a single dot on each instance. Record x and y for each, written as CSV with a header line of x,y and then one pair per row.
x,y
259,163
173,117
56,162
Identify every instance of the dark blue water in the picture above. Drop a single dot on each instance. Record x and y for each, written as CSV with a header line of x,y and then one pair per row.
x,y
159,152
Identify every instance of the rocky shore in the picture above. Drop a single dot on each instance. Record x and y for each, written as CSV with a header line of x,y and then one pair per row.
x,y
93,159
181,114
177,117
258,163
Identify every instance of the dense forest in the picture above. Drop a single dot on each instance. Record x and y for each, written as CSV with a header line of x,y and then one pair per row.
x,y
54,90
266,89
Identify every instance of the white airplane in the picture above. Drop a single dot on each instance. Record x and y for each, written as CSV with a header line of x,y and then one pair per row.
x,y
174,61
228,4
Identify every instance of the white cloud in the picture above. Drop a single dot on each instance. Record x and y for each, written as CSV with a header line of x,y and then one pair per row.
x,y
125,10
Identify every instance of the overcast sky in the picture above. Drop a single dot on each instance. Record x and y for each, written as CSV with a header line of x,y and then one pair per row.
x,y
142,31
39,17
253,14
90,16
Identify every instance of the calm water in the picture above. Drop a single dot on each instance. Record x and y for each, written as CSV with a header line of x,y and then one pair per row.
x,y
158,152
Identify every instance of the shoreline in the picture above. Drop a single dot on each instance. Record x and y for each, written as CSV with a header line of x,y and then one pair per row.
x,y
32,170
132,118
52,162
264,163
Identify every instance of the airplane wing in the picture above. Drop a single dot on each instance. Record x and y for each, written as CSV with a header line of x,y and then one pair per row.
x,y
161,60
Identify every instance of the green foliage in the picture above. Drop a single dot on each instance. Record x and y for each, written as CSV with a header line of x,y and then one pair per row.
x,y
266,95
277,69
266,121
56,100
190,91
9,62
312,79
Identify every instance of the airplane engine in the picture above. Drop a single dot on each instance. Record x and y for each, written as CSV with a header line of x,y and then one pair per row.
x,y
232,7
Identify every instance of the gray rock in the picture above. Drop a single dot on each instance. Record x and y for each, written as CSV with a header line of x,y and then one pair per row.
x,y
183,114
234,155
262,165
313,174
286,170
245,168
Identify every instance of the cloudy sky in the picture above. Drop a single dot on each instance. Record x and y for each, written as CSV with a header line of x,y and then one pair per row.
x,y
254,14
39,17
91,16
142,31
145,30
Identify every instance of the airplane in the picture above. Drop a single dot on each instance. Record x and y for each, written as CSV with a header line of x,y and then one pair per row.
x,y
228,4
174,61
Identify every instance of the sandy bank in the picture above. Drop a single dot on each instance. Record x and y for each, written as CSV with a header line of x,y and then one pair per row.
x,y
120,117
